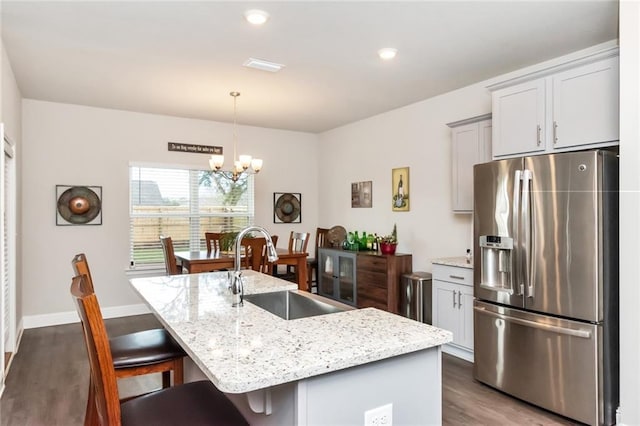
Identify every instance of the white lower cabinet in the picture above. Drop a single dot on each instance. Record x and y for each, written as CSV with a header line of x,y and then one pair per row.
x,y
453,307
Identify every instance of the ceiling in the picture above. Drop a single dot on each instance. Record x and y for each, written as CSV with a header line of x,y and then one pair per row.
x,y
183,58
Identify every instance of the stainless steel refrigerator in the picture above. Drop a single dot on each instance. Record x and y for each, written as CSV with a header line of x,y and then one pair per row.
x,y
546,281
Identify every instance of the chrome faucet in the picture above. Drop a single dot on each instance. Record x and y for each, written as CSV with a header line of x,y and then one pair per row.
x,y
237,288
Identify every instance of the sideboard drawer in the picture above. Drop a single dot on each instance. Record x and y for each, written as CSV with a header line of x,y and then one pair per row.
x,y
372,263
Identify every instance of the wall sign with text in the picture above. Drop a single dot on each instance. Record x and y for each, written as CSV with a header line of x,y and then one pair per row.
x,y
193,148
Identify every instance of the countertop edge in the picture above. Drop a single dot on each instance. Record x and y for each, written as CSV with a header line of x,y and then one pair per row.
x,y
458,261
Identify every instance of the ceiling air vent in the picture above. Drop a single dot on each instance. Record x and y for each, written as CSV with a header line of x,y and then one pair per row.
x,y
259,64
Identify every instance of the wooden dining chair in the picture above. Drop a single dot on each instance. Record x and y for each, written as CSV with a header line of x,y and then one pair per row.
x,y
196,403
212,239
139,353
312,262
298,242
255,253
170,263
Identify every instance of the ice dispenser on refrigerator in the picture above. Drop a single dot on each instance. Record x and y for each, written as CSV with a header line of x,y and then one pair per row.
x,y
495,263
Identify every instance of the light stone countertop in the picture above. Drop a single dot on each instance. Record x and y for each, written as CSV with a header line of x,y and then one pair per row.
x,y
459,261
242,349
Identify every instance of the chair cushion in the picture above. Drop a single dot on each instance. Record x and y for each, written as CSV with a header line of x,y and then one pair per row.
x,y
195,403
144,348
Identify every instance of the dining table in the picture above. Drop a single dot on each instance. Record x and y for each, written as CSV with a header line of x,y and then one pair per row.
x,y
297,259
195,262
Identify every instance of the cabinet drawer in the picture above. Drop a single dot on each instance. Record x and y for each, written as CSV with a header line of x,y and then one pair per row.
x,y
372,263
453,274
372,292
369,278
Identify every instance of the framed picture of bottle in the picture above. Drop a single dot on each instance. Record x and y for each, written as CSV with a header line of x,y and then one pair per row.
x,y
400,189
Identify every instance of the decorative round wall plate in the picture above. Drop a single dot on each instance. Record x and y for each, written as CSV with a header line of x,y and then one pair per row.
x,y
286,207
336,236
78,205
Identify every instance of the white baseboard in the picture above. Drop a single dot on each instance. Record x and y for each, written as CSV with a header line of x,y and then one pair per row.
x,y
59,318
458,352
13,355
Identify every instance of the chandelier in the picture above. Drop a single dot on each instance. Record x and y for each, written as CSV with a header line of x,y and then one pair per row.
x,y
244,164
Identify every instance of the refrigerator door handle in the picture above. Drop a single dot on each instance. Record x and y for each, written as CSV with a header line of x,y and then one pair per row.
x,y
525,234
515,231
585,334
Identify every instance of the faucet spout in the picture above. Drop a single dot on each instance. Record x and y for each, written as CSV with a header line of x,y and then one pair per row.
x,y
237,288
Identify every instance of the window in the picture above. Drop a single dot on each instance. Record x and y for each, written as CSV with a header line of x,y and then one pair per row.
x,y
183,204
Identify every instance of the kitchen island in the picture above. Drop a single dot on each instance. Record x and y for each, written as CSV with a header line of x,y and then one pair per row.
x,y
326,369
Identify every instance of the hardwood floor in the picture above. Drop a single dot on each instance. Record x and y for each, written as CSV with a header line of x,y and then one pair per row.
x,y
47,384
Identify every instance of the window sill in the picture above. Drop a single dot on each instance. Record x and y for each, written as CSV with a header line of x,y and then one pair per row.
x,y
144,271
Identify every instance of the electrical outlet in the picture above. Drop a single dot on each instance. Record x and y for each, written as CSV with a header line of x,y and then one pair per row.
x,y
379,416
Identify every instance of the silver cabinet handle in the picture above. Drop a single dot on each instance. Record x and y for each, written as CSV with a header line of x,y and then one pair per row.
x,y
555,132
459,300
456,277
538,134
453,293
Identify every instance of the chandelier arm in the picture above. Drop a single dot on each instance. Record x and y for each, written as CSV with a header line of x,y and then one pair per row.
x,y
243,164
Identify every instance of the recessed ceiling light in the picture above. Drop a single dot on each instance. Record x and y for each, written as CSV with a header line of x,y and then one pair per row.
x,y
387,53
263,65
256,16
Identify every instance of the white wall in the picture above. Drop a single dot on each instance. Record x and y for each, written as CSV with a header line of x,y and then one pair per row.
x,y
415,136
78,145
629,211
11,109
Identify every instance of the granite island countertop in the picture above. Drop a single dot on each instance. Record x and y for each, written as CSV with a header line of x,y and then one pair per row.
x,y
242,349
459,261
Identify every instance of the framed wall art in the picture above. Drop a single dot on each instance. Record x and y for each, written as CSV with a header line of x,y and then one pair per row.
x,y
78,205
361,194
400,189
287,207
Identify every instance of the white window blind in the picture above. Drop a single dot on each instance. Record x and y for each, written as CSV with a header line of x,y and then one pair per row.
x,y
7,204
183,204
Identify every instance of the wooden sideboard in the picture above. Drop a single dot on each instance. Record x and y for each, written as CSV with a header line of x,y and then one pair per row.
x,y
363,279
378,279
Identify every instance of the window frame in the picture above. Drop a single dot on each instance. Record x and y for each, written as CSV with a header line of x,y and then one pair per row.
x,y
193,214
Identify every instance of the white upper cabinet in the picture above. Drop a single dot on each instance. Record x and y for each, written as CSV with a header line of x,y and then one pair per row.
x,y
520,123
569,107
586,105
470,145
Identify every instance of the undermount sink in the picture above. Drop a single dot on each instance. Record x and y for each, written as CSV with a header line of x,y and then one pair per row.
x,y
291,305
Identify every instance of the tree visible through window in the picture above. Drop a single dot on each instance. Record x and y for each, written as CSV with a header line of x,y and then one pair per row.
x,y
183,204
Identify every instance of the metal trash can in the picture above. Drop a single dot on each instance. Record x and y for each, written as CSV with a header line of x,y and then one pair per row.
x,y
415,296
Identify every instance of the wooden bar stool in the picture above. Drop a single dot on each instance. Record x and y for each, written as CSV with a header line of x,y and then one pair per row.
x,y
196,403
143,352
